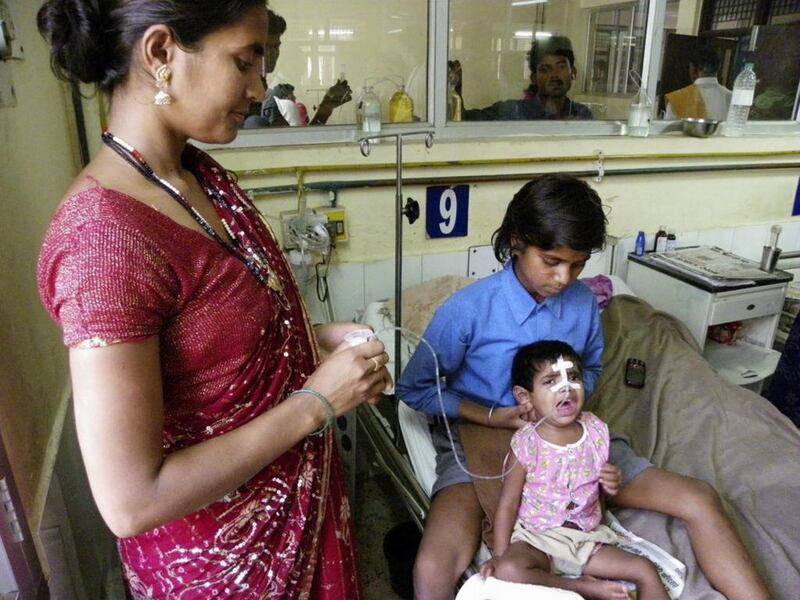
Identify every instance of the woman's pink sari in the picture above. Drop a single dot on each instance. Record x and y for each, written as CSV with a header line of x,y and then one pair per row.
x,y
231,350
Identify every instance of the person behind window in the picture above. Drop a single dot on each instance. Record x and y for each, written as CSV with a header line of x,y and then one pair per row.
x,y
281,108
705,97
263,115
552,64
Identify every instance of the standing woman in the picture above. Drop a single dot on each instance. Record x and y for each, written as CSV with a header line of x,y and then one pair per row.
x,y
203,410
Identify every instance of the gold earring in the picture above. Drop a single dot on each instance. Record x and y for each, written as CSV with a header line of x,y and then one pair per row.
x,y
163,75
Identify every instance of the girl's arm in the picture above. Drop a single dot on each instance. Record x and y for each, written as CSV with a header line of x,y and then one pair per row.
x,y
508,507
119,408
417,385
506,417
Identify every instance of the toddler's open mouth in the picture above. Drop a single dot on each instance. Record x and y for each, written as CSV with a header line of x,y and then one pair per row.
x,y
565,407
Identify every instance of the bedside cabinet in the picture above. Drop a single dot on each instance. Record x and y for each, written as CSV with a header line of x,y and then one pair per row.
x,y
700,304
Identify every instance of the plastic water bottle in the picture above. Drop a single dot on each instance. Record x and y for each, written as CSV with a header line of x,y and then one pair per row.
x,y
371,113
639,114
741,100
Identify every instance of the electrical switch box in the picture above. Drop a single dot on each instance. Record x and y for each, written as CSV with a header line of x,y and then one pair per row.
x,y
337,221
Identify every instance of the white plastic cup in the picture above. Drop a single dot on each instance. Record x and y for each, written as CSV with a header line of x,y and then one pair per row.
x,y
359,336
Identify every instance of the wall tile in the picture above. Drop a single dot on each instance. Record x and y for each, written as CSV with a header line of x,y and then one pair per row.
x,y
439,265
347,290
789,241
379,277
620,262
748,241
688,238
597,264
722,238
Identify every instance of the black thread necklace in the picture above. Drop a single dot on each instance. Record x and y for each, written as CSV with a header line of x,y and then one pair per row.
x,y
252,257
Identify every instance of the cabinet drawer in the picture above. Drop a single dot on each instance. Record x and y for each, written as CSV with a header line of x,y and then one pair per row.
x,y
746,306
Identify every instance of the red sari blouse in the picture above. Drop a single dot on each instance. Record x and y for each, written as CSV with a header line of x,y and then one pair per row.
x,y
113,270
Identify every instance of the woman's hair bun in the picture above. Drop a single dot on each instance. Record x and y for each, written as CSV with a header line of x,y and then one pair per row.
x,y
92,41
77,39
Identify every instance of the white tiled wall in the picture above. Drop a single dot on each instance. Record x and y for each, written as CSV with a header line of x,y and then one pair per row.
x,y
353,286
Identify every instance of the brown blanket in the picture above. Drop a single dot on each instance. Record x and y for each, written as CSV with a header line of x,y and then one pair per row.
x,y
688,420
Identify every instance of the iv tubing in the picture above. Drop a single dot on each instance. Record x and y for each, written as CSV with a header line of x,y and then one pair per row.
x,y
461,466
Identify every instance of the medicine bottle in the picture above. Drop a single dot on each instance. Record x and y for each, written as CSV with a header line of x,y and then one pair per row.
x,y
639,249
660,244
672,241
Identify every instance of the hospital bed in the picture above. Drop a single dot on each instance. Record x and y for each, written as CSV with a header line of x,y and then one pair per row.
x,y
686,419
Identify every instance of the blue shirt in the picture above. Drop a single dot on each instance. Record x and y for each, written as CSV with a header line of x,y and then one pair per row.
x,y
476,334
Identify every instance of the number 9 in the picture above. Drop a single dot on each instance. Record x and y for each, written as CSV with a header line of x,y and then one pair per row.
x,y
448,209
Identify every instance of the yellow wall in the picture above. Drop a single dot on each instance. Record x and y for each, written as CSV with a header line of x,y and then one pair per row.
x,y
37,162
687,201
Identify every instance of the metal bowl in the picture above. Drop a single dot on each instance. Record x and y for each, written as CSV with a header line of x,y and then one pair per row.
x,y
701,128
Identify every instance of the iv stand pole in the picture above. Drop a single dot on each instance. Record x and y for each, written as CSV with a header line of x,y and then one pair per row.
x,y
365,145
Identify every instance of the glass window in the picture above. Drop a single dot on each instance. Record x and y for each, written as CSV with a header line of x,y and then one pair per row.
x,y
330,50
700,61
545,59
506,61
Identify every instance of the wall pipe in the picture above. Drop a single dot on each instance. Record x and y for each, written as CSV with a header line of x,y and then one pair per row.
x,y
488,162
336,186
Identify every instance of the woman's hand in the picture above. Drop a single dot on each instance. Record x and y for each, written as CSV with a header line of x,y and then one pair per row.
x,y
610,479
351,376
331,335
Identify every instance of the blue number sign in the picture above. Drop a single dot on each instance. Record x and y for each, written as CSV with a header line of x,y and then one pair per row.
x,y
447,211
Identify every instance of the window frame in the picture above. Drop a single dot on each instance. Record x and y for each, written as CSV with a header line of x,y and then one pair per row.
x,y
438,32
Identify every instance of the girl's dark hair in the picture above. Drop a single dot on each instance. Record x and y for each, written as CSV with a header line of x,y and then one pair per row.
x,y
91,41
530,359
552,211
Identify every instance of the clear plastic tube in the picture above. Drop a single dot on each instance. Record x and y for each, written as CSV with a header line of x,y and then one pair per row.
x,y
505,471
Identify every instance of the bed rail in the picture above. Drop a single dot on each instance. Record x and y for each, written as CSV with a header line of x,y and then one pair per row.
x,y
393,463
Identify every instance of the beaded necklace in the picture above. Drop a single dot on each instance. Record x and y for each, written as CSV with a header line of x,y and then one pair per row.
x,y
250,254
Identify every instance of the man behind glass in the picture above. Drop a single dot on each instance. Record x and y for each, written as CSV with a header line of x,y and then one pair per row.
x,y
704,98
552,64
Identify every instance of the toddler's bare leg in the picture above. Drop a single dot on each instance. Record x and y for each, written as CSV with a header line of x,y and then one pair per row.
x,y
612,563
522,563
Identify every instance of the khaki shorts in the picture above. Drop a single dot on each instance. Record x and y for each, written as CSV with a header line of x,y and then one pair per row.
x,y
569,549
